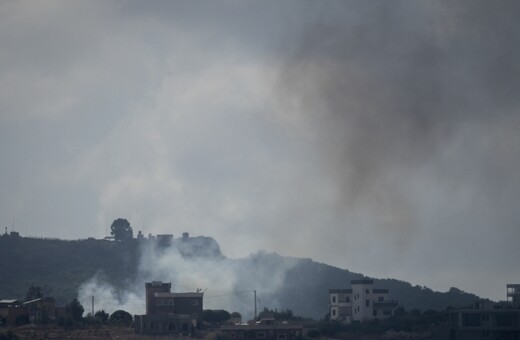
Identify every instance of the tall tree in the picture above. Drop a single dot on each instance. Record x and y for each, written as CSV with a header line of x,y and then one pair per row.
x,y
120,318
121,229
75,310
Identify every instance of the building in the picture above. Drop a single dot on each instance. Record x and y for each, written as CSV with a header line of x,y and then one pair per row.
x,y
488,320
167,312
266,329
41,310
164,239
513,294
11,311
361,302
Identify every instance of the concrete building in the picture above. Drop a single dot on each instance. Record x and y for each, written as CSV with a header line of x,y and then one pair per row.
x,y
41,310
10,311
488,320
167,312
361,302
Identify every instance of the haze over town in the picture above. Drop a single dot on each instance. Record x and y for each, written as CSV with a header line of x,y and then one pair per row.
x,y
381,137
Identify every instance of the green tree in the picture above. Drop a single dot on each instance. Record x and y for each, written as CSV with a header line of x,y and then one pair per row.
x,y
101,316
120,318
75,310
121,229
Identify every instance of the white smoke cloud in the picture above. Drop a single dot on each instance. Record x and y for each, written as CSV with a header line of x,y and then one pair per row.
x,y
227,283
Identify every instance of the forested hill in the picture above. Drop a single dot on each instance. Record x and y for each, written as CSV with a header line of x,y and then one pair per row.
x,y
60,267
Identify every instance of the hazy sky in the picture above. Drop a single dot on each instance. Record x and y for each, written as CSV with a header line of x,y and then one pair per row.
x,y
377,136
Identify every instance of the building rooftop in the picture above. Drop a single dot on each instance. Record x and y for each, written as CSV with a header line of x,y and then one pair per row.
x,y
8,301
174,295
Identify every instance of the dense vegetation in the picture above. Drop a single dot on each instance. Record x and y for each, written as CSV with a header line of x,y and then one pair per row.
x,y
59,266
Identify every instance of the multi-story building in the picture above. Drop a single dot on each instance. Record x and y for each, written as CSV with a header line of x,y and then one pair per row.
x,y
361,302
488,320
167,312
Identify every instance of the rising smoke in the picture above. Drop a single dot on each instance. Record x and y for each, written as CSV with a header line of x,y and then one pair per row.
x,y
227,283
410,114
408,102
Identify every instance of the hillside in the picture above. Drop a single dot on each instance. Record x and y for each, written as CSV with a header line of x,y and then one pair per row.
x,y
60,267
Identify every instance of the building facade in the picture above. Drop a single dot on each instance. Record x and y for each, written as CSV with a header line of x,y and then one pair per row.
x,y
488,320
361,302
167,312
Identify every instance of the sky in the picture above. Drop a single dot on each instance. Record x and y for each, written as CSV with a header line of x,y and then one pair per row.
x,y
376,136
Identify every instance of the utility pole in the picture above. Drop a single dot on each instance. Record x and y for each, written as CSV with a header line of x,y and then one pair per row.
x,y
255,304
92,306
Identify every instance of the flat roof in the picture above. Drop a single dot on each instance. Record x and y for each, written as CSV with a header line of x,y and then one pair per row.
x,y
8,301
32,301
174,295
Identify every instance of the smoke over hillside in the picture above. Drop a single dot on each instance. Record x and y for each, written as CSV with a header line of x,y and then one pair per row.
x,y
191,264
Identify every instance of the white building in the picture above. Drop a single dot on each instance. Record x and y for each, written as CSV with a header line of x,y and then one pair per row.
x,y
362,302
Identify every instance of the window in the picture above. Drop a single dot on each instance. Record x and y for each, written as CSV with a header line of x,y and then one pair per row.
x,y
334,299
282,336
374,313
347,299
194,302
367,291
367,303
233,335
333,312
387,312
260,335
381,299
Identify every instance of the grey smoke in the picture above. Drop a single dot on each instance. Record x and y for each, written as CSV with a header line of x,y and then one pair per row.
x,y
228,283
376,136
413,110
